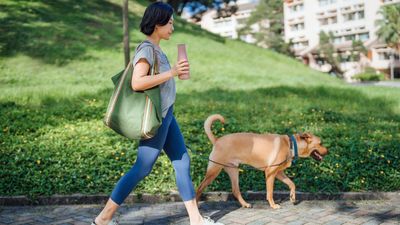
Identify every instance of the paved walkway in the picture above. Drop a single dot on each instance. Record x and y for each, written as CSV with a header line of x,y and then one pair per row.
x,y
380,83
306,212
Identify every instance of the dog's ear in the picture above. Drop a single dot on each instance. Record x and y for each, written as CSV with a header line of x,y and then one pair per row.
x,y
307,137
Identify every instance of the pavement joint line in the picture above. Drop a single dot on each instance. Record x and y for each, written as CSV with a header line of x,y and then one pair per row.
x,y
372,212
171,197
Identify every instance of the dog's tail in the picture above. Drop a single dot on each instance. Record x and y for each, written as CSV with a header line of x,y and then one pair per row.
x,y
208,123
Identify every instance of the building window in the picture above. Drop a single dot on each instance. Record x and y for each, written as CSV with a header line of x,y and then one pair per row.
x,y
299,45
363,36
223,23
354,16
388,1
386,56
360,15
350,37
326,21
323,21
297,8
326,2
337,40
349,17
383,55
297,27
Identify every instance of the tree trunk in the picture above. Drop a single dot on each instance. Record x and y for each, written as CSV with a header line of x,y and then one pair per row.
x,y
392,65
125,17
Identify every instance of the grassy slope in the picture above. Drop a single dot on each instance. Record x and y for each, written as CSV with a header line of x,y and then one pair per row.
x,y
54,77
86,65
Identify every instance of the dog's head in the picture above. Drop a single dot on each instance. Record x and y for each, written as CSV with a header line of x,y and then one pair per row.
x,y
311,145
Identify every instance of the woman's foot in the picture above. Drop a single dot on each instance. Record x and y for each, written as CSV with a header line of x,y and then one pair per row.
x,y
208,221
98,221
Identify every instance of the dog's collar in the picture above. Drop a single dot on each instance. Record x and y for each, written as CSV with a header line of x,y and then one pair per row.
x,y
293,147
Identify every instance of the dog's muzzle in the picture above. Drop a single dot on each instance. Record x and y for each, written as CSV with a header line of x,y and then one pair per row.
x,y
315,155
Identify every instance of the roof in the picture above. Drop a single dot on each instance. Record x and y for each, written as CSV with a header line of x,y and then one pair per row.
x,y
247,6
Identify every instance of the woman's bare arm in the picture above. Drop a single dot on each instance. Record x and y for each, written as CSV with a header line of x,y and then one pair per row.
x,y
141,81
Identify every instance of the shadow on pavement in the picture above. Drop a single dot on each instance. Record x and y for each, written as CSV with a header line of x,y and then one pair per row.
x,y
386,215
372,210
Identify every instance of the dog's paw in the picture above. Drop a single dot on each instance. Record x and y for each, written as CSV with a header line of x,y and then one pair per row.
x,y
295,202
276,206
247,205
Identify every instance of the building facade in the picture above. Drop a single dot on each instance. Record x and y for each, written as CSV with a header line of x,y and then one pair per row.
x,y
229,26
348,20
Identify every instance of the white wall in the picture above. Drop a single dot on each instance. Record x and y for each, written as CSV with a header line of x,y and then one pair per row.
x,y
359,27
311,12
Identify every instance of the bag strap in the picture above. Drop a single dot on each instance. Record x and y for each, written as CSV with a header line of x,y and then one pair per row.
x,y
154,70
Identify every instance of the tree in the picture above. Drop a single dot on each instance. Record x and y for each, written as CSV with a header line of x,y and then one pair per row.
x,y
389,26
389,30
357,48
125,18
269,12
328,52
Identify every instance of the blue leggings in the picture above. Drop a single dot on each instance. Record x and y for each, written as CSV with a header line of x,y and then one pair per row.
x,y
169,138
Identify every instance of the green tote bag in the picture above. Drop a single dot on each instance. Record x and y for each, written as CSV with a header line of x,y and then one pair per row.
x,y
134,114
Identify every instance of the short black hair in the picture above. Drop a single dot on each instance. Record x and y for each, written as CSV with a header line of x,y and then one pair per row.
x,y
158,13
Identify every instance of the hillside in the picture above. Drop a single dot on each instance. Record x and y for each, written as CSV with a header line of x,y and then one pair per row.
x,y
77,52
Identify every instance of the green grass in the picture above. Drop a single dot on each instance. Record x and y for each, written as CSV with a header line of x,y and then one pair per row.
x,y
55,68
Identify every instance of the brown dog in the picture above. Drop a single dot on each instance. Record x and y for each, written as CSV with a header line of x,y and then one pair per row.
x,y
270,153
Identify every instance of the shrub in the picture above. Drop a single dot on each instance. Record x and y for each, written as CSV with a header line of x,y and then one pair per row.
x,y
370,75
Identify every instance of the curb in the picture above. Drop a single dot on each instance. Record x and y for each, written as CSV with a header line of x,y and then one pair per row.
x,y
208,196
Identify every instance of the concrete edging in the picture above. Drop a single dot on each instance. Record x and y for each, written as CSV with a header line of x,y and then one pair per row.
x,y
174,197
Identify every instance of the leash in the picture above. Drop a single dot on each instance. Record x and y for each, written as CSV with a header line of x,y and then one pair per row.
x,y
293,145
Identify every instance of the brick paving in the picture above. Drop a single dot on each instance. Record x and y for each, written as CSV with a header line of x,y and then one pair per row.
x,y
306,212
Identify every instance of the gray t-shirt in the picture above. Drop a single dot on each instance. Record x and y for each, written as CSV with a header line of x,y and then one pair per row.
x,y
167,89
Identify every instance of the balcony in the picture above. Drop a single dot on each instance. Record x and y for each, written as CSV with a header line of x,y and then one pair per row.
x,y
324,3
388,2
292,2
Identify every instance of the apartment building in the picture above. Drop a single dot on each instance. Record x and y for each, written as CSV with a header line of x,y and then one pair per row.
x,y
348,20
229,26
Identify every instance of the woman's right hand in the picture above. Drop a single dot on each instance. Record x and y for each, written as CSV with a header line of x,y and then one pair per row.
x,y
180,68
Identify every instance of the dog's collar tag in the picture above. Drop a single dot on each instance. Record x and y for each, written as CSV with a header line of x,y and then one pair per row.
x,y
293,147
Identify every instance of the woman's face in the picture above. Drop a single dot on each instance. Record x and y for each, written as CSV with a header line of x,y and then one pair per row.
x,y
165,32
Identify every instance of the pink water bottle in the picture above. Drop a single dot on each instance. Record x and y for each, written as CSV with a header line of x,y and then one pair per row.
x,y
182,55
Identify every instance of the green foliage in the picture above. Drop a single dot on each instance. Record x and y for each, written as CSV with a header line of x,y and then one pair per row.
x,y
369,77
327,51
358,48
62,147
370,74
271,12
389,25
334,57
52,139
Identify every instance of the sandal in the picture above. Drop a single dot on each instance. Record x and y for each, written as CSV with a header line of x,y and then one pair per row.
x,y
209,221
112,222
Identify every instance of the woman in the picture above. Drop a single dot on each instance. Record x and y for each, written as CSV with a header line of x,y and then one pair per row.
x,y
157,24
